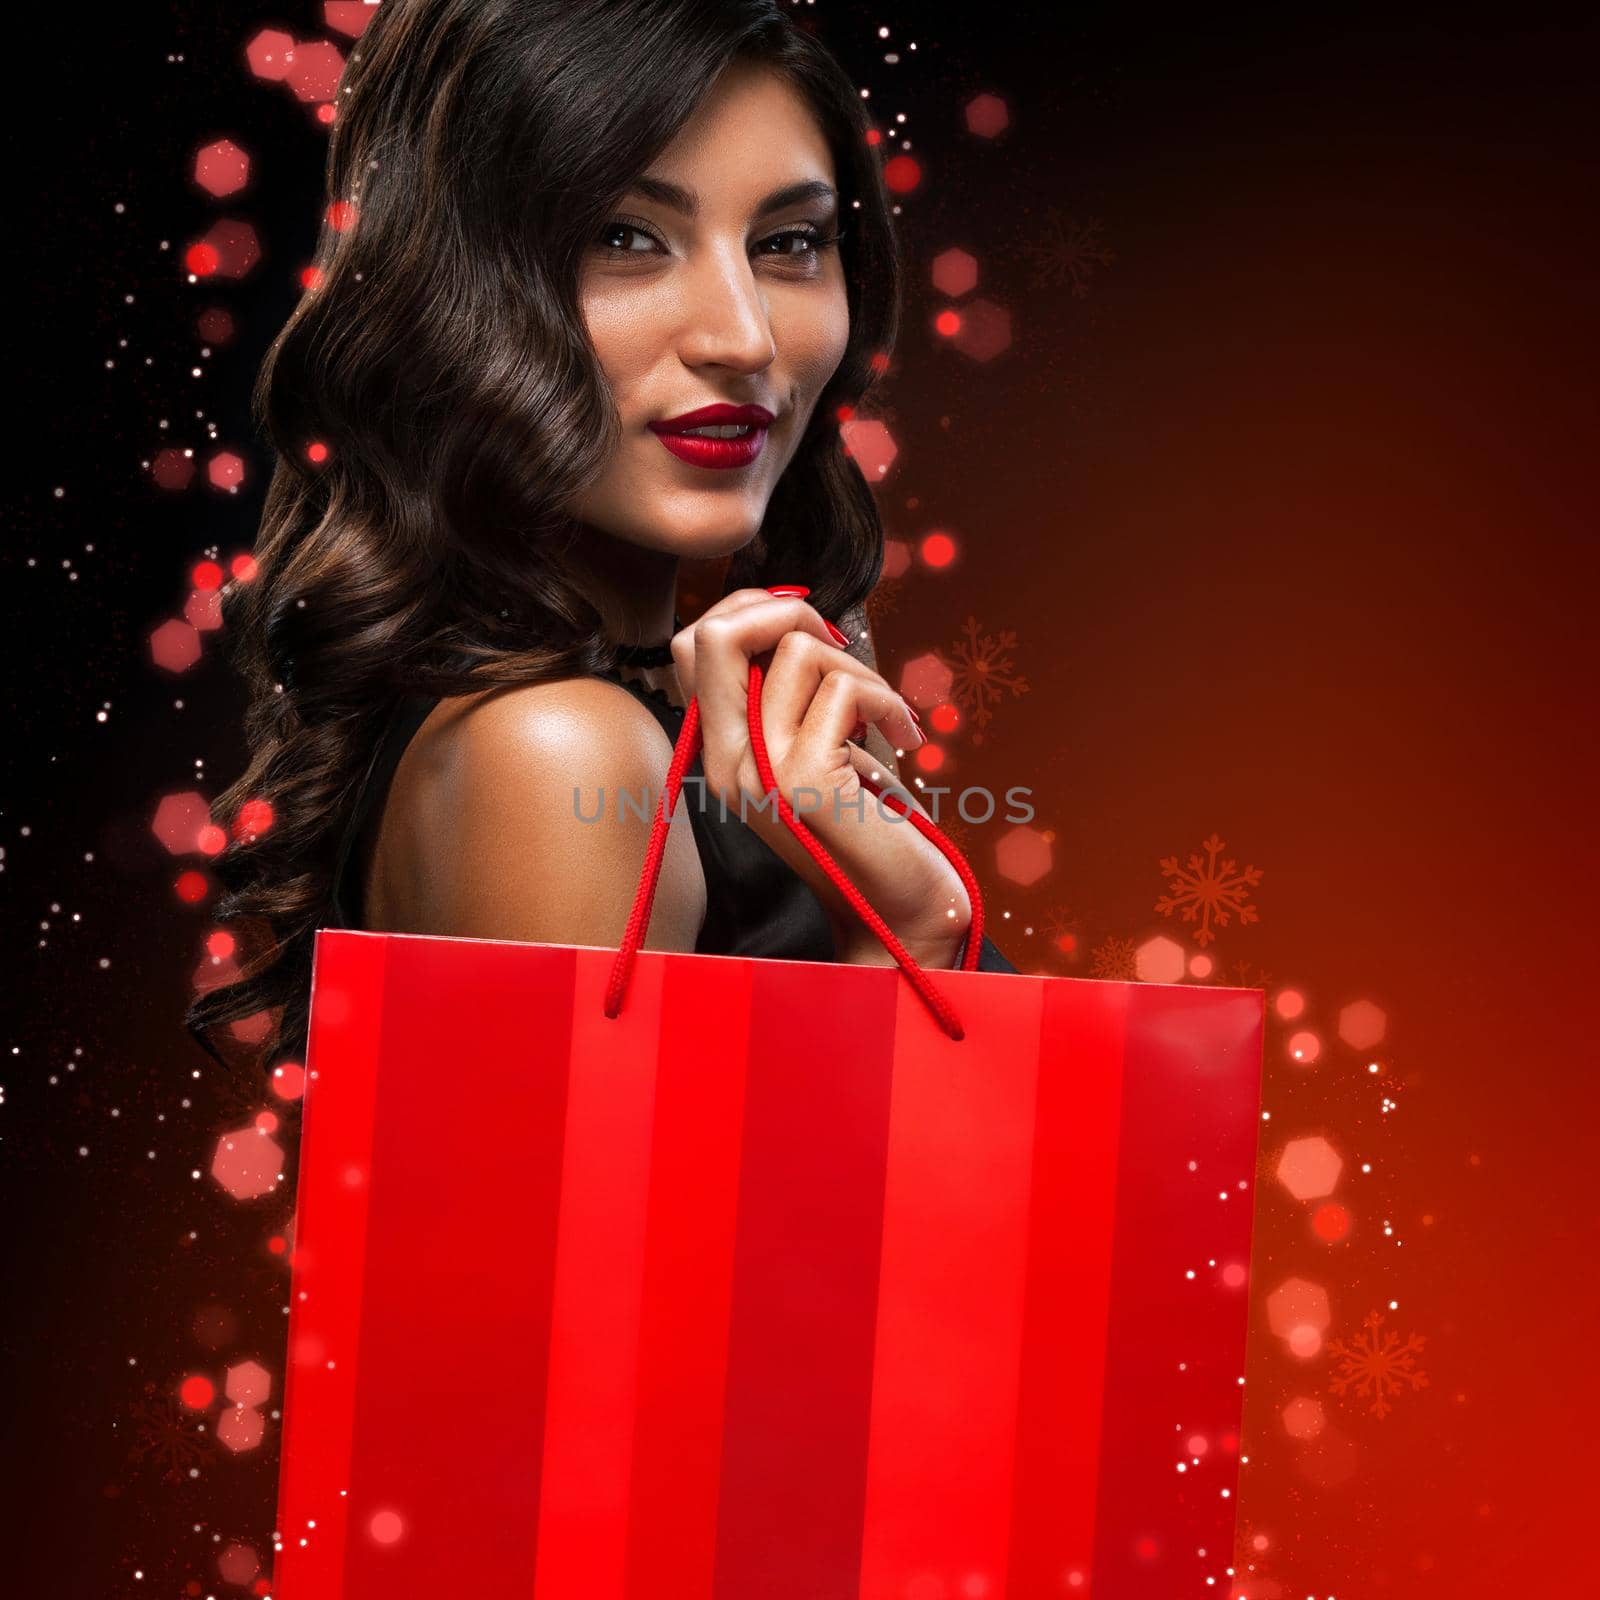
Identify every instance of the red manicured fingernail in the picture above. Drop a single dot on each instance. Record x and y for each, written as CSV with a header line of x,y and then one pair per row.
x,y
840,639
799,591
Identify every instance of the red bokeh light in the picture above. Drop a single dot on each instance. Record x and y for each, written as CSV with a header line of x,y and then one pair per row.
x,y
197,1392
203,610
985,329
1289,1003
243,567
868,442
254,819
314,70
955,273
341,216
938,550
215,325
179,820
901,174
173,469
987,116
317,452
202,259
270,53
1304,1047
221,168
175,646
1025,854
211,840
288,1080
226,470
947,324
248,1164
349,17
1331,1222
1305,1341
207,575
235,246
191,887
220,943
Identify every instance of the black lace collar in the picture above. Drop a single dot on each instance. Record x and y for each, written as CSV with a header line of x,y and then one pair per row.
x,y
659,695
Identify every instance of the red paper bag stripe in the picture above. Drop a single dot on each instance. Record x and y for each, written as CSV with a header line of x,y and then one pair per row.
x,y
1191,1054
330,1209
688,1278
950,1308
446,1464
821,1040
599,1275
1074,1166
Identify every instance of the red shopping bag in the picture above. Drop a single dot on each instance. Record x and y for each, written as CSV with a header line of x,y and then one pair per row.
x,y
628,1275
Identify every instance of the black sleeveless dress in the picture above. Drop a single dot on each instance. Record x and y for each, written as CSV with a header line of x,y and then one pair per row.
x,y
756,903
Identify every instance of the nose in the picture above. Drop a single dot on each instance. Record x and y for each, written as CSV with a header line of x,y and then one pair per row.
x,y
724,317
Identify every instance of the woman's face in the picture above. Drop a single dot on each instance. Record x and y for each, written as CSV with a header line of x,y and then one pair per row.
x,y
705,289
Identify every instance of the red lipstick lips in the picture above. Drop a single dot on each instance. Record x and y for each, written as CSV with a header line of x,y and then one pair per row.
x,y
718,452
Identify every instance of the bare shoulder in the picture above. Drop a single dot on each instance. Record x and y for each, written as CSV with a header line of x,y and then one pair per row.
x,y
506,821
576,719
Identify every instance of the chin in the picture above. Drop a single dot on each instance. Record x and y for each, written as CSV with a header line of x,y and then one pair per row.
x,y
707,537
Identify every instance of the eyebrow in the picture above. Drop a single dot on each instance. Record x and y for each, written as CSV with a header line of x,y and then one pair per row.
x,y
687,202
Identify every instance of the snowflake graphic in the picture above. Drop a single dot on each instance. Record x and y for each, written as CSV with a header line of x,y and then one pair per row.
x,y
1116,959
1248,975
1207,891
1068,253
1376,1365
984,672
884,600
1060,926
169,1435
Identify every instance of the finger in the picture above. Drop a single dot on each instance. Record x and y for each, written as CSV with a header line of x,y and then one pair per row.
x,y
723,648
843,698
799,666
683,641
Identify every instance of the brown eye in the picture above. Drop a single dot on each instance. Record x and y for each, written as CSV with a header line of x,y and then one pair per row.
x,y
620,229
815,243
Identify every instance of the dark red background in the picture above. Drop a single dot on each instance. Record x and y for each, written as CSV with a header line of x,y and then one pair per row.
x,y
1291,515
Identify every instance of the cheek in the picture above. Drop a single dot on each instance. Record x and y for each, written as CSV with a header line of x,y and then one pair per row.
x,y
624,337
813,338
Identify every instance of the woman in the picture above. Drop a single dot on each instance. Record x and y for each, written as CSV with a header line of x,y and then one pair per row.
x,y
567,230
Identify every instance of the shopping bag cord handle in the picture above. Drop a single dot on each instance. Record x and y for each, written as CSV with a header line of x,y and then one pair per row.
x,y
684,751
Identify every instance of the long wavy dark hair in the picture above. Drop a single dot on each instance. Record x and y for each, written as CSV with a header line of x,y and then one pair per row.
x,y
442,366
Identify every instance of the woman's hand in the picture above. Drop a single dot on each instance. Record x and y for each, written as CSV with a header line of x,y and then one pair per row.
x,y
814,697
